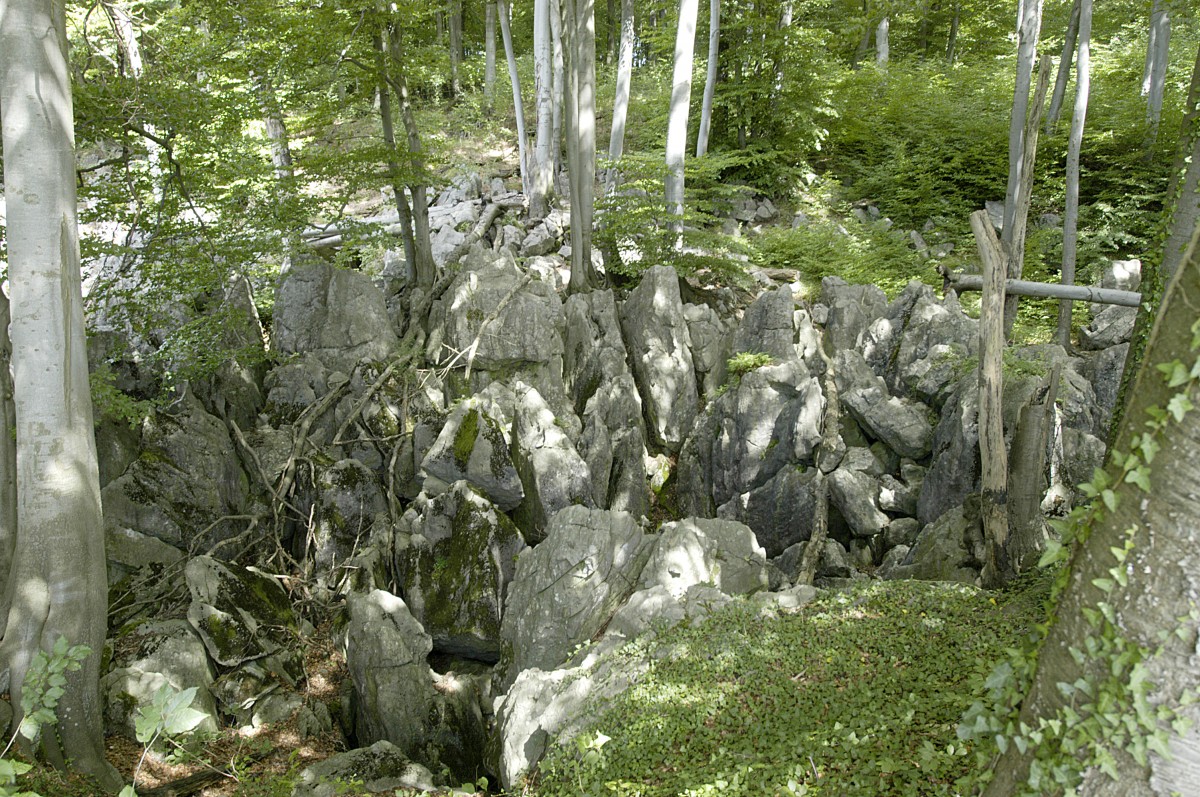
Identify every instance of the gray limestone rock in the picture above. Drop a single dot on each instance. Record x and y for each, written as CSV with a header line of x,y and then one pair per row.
x,y
944,551
472,446
382,768
348,498
660,352
768,326
711,345
935,334
1104,370
1112,326
185,480
721,553
780,512
653,608
168,654
385,649
552,473
852,311
855,494
901,532
834,561
541,240
954,468
293,386
243,615
901,423
567,587
455,567
337,315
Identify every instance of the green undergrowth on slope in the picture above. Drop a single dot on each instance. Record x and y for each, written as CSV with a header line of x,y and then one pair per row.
x,y
857,693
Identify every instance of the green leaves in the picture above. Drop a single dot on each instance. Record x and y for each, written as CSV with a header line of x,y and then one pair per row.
x,y
169,714
45,683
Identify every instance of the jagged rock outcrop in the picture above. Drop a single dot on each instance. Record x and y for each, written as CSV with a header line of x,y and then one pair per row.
x,y
722,553
382,768
781,512
473,447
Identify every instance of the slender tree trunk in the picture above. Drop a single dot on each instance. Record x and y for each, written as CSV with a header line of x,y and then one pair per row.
x,y
616,141
58,579
993,457
131,59
1157,56
710,81
518,106
8,462
1184,187
1133,578
882,46
285,174
952,38
489,58
1064,69
581,141
614,28
455,12
1083,84
424,266
544,92
559,87
383,92
681,90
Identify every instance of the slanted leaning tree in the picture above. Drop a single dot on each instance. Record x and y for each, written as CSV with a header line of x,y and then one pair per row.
x,y
57,585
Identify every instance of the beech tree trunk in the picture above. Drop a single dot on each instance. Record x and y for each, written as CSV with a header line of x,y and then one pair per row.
x,y
1185,180
285,174
1134,575
1083,84
710,81
489,57
424,266
560,90
952,38
455,13
882,46
543,76
518,106
616,140
681,91
1064,69
403,211
581,139
1155,75
58,580
8,461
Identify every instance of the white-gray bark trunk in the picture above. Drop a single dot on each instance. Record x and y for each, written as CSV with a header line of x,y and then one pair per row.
x,y
543,77
1029,26
8,461
556,124
581,140
384,97
710,80
882,46
59,577
1083,83
1064,69
425,267
518,105
677,122
489,56
1157,56
616,140
1184,189
454,10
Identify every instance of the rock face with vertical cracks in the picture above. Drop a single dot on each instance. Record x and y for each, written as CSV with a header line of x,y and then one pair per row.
x,y
656,334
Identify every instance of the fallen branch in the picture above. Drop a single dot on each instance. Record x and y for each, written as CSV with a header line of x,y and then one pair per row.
x,y
1079,293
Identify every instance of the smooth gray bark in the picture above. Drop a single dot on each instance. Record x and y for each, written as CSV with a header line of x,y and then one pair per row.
x,y
883,48
581,140
285,173
543,77
1078,293
1150,605
616,140
425,268
1064,69
677,122
455,13
403,211
1155,77
1029,26
710,80
518,106
58,579
559,83
489,54
8,460
952,38
1083,82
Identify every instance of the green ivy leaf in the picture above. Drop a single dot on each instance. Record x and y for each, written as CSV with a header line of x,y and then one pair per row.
x,y
1179,406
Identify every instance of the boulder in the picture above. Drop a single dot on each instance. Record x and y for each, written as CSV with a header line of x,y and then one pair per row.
x,y
936,334
901,423
944,550
1112,326
234,391
473,447
386,650
186,479
769,326
1104,370
711,346
454,566
348,498
954,469
552,473
780,512
381,768
568,587
168,654
337,315
660,352
295,385
647,610
243,615
855,494
834,561
722,553
852,310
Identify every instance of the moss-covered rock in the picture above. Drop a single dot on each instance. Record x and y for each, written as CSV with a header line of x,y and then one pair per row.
x,y
472,447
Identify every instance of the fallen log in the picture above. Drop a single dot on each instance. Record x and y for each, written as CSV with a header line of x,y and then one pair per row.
x,y
1078,293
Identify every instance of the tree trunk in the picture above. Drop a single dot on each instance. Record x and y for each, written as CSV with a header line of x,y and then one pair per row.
x,y
1078,293
489,58
616,141
993,458
425,268
455,13
518,106
581,141
681,91
1083,84
1157,56
8,461
882,47
710,80
1029,25
1013,235
1064,69
559,84
613,32
1027,527
285,174
1185,181
1133,575
58,579
543,77
952,38
403,212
